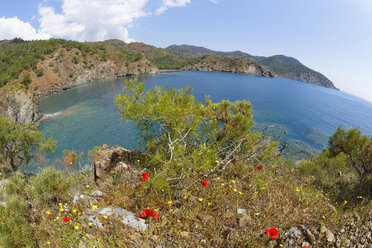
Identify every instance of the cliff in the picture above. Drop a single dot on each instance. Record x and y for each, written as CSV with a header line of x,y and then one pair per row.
x,y
73,69
35,69
234,65
19,105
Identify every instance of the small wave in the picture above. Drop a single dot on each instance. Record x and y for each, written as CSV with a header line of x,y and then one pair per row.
x,y
46,116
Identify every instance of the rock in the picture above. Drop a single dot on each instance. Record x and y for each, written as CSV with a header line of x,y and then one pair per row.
x,y
109,160
323,228
128,218
3,204
84,200
310,237
97,193
19,105
294,233
241,211
94,221
330,237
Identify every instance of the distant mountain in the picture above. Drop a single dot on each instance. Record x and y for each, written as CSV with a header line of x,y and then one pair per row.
x,y
283,66
165,59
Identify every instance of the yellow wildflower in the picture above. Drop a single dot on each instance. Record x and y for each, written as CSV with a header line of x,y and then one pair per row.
x,y
77,227
235,190
359,196
90,223
257,214
240,193
178,221
94,207
105,216
217,161
233,181
200,199
222,184
209,203
74,210
48,243
61,210
87,186
345,202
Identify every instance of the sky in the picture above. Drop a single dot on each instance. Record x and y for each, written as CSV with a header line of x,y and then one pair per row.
x,y
333,37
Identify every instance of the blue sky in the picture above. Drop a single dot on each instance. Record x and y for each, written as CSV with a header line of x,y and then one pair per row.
x,y
333,37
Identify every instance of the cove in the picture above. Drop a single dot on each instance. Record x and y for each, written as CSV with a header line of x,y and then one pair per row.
x,y
310,113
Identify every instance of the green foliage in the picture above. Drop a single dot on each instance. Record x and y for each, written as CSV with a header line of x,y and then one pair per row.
x,y
18,185
51,185
19,142
40,72
75,60
70,157
183,136
15,228
344,169
26,80
24,55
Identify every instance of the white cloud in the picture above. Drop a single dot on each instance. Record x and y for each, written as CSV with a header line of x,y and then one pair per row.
x,y
13,27
92,20
171,4
84,20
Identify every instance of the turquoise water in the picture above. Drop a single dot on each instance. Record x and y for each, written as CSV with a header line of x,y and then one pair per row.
x,y
309,113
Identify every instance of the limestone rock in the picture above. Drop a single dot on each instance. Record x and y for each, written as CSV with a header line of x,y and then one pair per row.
x,y
110,160
241,211
84,200
19,105
294,233
97,193
93,219
128,218
330,237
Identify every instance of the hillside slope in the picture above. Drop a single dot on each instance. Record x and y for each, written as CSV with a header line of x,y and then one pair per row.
x,y
168,60
283,66
33,69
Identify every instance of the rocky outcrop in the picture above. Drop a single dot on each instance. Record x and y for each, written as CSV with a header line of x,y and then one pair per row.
x,y
234,65
69,69
63,70
19,105
113,160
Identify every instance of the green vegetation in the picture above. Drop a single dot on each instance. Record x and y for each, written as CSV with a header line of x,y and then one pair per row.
x,y
202,164
19,55
19,141
40,72
344,170
183,136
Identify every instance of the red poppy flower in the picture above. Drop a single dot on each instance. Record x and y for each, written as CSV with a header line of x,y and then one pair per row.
x,y
229,189
145,176
273,233
277,166
139,185
66,219
259,167
74,205
306,246
50,214
204,183
148,213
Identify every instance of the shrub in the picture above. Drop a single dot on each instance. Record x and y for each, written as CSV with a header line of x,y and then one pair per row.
x,y
17,185
26,80
40,72
51,185
19,142
15,228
